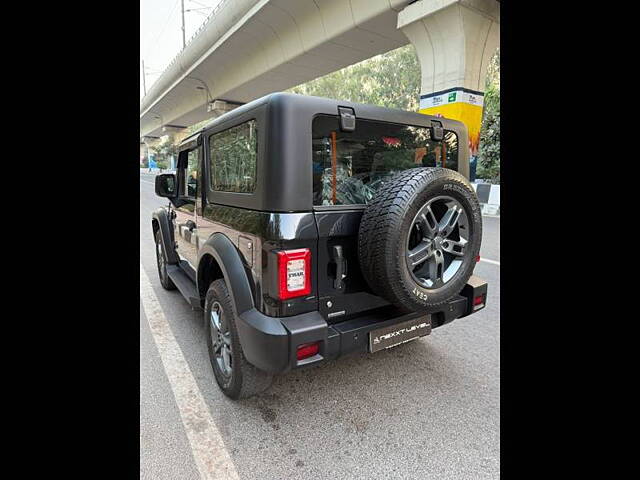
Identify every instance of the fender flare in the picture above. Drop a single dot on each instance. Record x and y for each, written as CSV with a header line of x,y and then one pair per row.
x,y
228,258
265,342
166,235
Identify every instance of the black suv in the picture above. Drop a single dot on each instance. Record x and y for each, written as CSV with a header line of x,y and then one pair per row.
x,y
308,228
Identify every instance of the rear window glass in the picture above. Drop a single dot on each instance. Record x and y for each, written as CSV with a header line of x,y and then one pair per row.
x,y
348,167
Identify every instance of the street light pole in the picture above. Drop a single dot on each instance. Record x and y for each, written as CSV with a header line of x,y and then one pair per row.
x,y
184,42
144,83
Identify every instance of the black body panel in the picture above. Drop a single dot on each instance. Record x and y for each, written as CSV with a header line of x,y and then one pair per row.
x,y
267,232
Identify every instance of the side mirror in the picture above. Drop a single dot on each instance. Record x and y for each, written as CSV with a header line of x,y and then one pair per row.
x,y
166,185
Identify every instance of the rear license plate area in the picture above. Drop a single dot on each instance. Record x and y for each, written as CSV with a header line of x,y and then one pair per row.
x,y
399,333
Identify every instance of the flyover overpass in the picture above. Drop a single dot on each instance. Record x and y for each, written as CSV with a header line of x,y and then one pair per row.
x,y
249,48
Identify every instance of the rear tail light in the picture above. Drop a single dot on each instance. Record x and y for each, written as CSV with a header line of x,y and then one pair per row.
x,y
294,273
308,350
478,302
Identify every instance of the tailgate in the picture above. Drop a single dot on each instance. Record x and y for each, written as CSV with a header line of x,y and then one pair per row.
x,y
338,257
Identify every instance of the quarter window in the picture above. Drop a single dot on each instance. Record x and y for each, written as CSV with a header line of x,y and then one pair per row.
x,y
233,158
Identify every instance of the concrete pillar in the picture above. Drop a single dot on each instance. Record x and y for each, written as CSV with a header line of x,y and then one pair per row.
x,y
176,136
143,152
151,143
454,42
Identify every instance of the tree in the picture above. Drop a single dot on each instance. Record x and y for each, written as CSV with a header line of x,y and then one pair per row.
x,y
390,80
164,151
489,153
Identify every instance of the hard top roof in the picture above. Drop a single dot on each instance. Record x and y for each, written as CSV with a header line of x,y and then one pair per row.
x,y
282,99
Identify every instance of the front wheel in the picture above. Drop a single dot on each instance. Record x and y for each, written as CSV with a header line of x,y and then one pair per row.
x,y
236,377
165,281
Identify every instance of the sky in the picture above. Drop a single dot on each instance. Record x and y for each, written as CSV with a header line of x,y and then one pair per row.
x,y
161,32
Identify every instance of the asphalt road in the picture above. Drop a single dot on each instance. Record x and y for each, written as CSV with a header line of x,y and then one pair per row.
x,y
428,409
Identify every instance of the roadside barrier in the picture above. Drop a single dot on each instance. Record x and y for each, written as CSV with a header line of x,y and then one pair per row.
x,y
489,197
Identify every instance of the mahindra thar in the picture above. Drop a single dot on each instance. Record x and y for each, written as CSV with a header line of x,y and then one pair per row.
x,y
307,228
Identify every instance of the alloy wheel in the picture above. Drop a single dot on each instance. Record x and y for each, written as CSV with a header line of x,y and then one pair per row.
x,y
437,240
220,339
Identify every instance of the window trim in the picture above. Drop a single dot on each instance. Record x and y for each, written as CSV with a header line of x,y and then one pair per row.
x,y
210,169
181,172
198,180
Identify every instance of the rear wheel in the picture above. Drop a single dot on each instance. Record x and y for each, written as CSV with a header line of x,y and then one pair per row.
x,y
161,260
236,377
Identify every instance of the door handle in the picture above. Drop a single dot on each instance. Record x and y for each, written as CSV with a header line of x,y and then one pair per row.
x,y
341,267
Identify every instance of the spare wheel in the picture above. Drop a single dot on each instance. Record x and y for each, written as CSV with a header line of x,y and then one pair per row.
x,y
419,237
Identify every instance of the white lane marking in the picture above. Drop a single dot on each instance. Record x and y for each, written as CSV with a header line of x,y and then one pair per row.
x,y
493,262
211,456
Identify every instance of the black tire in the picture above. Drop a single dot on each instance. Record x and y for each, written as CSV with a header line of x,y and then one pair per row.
x,y
384,237
244,380
161,260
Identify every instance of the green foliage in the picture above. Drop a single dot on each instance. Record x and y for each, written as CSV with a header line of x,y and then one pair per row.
x,y
390,80
489,154
164,151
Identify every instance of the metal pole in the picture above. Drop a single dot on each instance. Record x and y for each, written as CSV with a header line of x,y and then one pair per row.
x,y
184,43
144,83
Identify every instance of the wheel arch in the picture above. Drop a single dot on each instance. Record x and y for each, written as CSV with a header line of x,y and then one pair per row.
x,y
209,270
160,221
219,258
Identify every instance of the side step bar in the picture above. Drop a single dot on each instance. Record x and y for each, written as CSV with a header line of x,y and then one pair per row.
x,y
185,285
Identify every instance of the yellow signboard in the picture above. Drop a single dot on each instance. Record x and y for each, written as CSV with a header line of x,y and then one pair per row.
x,y
457,104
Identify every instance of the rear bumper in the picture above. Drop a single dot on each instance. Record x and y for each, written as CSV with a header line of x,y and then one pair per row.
x,y
271,343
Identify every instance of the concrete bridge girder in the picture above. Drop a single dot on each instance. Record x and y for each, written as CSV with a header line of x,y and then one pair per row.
x,y
282,43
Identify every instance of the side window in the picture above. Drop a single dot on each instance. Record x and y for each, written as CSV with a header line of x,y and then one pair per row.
x,y
191,174
233,158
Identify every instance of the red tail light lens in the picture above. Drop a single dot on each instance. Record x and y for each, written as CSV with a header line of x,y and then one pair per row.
x,y
478,302
294,273
308,350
